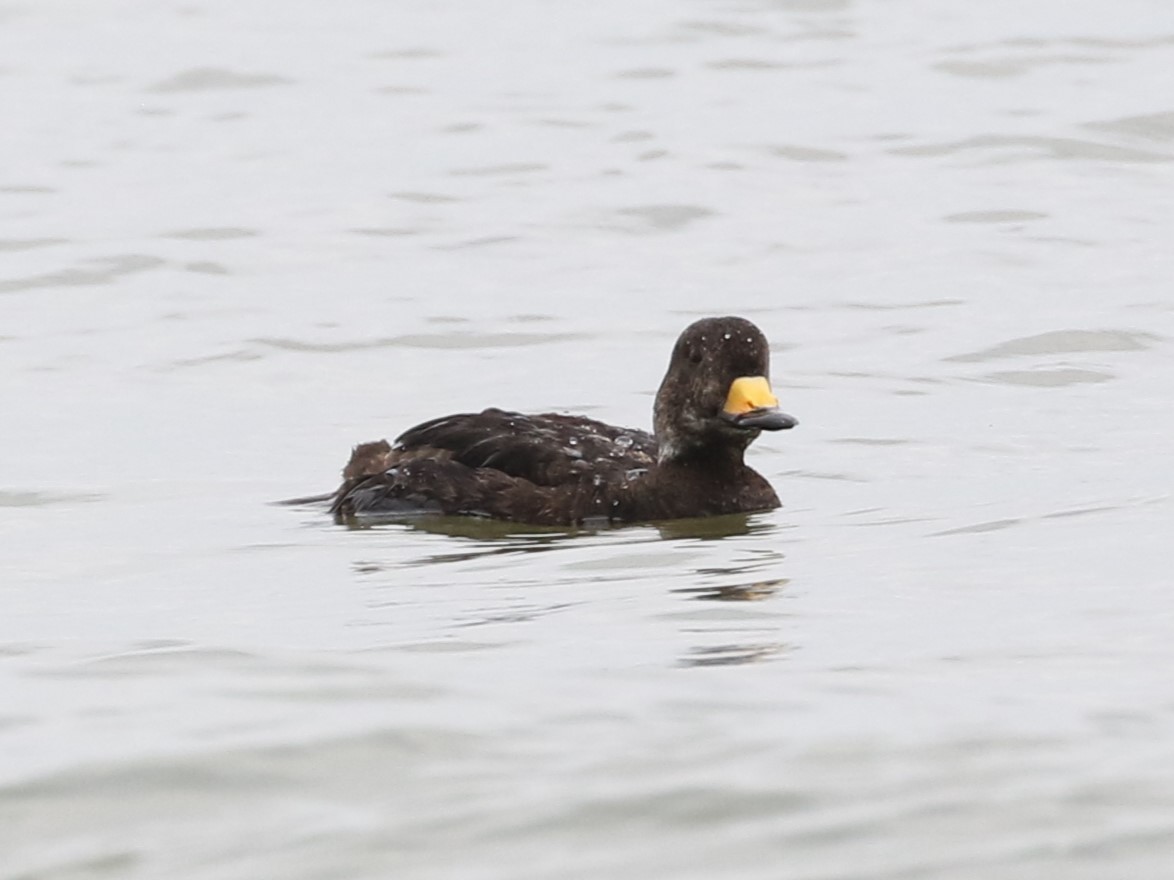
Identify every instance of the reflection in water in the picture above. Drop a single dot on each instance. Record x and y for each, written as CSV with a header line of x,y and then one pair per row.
x,y
515,615
480,538
486,529
477,552
635,554
186,676
496,537
731,655
716,527
759,558
752,592
476,528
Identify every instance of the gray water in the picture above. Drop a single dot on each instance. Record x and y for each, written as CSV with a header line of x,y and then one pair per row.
x,y
237,238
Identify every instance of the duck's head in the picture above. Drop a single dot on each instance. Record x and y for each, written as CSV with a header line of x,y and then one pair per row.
x,y
716,396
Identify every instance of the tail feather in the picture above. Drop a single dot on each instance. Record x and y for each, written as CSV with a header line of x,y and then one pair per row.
x,y
308,499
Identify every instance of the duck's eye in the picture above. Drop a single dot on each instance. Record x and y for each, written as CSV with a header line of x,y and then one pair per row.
x,y
695,356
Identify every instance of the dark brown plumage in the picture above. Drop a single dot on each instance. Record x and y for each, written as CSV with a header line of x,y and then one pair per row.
x,y
564,470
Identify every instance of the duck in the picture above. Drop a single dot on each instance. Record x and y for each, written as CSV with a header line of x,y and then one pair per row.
x,y
554,469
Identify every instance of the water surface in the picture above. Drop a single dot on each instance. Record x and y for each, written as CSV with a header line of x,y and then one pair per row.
x,y
234,241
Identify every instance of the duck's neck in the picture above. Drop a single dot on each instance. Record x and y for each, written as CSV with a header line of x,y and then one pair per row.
x,y
707,481
717,461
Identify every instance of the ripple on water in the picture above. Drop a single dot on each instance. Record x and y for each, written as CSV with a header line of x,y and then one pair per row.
x,y
1048,378
1152,126
1062,342
46,499
646,73
806,154
1007,215
163,659
386,231
206,267
213,233
424,198
1018,56
480,242
423,340
632,137
401,90
103,271
746,64
27,244
500,170
666,218
996,525
720,29
998,148
417,53
202,79
1015,65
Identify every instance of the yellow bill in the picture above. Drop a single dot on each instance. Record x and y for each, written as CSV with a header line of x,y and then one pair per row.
x,y
751,404
748,393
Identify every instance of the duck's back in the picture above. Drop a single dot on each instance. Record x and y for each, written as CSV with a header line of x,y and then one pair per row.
x,y
532,468
548,449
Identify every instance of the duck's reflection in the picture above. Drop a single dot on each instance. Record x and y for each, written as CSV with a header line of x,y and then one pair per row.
x,y
732,655
718,624
715,528
486,529
482,537
472,527
752,592
735,560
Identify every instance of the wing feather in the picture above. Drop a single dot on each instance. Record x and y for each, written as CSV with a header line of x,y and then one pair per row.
x,y
548,449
